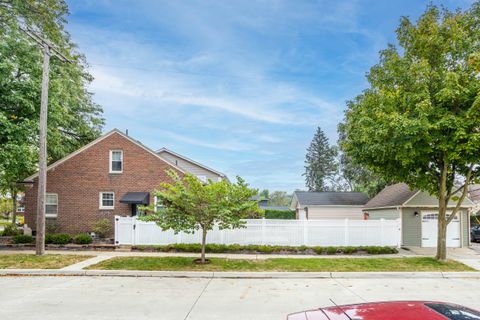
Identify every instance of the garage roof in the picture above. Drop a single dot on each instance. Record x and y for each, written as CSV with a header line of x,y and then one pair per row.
x,y
391,196
306,198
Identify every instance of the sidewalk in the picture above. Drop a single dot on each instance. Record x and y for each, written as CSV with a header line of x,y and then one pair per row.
x,y
241,275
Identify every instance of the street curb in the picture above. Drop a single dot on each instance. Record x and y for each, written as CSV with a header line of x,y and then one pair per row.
x,y
242,275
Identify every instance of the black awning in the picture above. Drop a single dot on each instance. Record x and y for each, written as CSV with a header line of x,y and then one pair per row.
x,y
136,198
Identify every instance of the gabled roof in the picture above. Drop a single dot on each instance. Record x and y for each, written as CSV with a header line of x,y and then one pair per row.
x,y
306,198
159,151
392,196
398,195
85,147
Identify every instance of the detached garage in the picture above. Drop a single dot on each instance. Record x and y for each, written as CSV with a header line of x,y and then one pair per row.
x,y
418,212
328,205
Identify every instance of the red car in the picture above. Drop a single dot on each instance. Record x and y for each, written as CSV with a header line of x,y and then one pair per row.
x,y
395,310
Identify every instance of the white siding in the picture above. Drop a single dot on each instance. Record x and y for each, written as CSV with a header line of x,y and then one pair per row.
x,y
188,166
335,212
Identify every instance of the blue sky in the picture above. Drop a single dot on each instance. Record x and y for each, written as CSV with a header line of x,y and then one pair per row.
x,y
237,85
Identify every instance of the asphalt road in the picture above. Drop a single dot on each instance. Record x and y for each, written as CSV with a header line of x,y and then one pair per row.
x,y
181,298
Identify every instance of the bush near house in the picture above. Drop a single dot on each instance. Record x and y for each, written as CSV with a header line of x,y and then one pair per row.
x,y
20,238
279,214
10,230
102,228
236,248
60,238
82,238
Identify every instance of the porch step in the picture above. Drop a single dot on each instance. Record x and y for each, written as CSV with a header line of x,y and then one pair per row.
x,y
123,248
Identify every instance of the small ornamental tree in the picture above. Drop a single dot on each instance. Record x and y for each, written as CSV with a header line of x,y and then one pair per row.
x,y
190,205
419,120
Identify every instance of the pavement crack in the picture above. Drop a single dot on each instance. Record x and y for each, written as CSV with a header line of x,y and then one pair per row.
x,y
198,298
347,288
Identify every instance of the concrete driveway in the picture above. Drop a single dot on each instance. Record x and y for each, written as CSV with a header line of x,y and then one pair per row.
x,y
180,298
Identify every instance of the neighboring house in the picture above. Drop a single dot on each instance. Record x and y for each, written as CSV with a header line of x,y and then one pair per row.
x,y
263,204
418,212
112,175
203,172
328,205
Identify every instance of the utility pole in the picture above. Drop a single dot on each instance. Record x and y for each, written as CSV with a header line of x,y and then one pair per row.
x,y
48,49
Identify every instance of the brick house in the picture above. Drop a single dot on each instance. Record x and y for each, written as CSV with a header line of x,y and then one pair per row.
x,y
112,175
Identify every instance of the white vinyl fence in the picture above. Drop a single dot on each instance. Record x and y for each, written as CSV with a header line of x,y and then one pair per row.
x,y
342,232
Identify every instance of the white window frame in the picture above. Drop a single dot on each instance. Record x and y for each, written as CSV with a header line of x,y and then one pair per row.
x,y
101,206
21,209
111,160
51,215
202,178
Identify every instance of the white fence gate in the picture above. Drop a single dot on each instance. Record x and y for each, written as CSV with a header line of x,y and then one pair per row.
x,y
131,231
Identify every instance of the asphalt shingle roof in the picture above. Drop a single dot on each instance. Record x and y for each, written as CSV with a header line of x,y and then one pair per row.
x,y
391,196
306,198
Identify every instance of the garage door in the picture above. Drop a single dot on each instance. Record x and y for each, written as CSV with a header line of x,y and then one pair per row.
x,y
430,230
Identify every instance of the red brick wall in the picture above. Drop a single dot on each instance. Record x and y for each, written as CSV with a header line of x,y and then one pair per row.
x,y
79,180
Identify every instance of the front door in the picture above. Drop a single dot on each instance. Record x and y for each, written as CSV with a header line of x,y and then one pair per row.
x,y
134,209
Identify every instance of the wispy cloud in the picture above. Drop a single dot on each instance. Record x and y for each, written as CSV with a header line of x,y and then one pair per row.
x,y
240,84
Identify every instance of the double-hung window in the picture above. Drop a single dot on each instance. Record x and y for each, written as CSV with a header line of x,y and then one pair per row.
x,y
116,161
107,200
51,205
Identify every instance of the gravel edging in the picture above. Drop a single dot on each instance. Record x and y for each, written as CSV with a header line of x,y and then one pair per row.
x,y
241,275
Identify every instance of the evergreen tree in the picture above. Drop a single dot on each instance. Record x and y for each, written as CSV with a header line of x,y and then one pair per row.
x,y
320,163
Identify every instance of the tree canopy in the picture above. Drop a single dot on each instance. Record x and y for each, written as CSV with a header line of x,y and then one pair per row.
x,y
190,205
320,163
73,118
418,122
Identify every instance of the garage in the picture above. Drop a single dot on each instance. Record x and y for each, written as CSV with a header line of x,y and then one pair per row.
x,y
430,230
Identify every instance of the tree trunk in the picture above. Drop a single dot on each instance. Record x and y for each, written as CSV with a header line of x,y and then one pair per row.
x,y
204,240
442,209
14,205
442,238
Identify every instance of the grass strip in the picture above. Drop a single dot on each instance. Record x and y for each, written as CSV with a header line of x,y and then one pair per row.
x,y
31,261
282,264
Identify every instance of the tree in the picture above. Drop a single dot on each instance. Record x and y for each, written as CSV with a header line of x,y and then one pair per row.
x,y
279,198
191,205
355,176
419,120
74,119
320,163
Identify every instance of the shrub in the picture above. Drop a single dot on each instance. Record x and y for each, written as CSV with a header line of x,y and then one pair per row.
x,y
223,248
11,230
103,228
82,238
20,238
331,250
61,238
49,238
348,250
279,214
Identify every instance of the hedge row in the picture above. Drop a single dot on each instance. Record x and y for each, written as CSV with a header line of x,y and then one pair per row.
x,y
64,238
61,238
279,214
220,248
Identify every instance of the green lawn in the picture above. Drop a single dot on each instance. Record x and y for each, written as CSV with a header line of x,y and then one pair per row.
x,y
281,264
30,261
